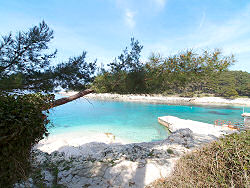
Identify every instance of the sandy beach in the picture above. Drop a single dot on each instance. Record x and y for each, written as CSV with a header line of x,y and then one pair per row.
x,y
66,141
165,100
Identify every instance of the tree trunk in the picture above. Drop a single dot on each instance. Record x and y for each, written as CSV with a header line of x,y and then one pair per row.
x,y
65,100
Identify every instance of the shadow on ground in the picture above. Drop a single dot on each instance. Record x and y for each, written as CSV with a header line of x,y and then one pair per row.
x,y
112,165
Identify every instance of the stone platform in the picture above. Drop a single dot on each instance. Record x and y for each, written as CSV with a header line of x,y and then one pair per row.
x,y
246,120
174,123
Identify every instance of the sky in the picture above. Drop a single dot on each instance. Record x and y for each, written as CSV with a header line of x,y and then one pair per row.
x,y
103,28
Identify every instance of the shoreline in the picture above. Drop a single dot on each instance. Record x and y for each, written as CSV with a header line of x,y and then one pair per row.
x,y
159,99
104,160
120,165
66,142
60,141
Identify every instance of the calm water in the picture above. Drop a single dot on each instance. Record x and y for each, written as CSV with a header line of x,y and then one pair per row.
x,y
136,122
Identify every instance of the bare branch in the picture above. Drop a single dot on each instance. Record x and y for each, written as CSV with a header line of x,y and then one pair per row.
x,y
65,100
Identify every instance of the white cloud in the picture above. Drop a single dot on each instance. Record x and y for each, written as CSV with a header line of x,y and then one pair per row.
x,y
230,33
130,18
231,36
160,3
202,19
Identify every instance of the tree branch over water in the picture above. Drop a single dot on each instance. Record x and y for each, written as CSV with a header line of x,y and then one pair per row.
x,y
65,100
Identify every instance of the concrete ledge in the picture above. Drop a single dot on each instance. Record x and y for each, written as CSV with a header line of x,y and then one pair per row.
x,y
246,120
175,123
245,115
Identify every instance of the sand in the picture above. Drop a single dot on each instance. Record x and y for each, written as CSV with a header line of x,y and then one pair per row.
x,y
64,142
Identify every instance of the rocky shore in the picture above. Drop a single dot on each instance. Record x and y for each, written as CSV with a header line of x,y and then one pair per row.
x,y
113,165
165,100
106,161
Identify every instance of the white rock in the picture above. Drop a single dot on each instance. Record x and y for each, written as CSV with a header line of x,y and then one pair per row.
x,y
47,177
175,123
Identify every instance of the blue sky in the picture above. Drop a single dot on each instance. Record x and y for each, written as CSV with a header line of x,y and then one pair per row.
x,y
104,27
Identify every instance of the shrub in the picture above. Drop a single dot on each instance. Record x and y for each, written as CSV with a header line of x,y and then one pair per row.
x,y
23,124
224,163
187,94
227,92
170,151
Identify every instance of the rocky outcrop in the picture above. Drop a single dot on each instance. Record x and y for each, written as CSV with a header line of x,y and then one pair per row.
x,y
112,165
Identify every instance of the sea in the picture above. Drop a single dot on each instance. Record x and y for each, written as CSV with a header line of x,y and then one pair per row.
x,y
132,121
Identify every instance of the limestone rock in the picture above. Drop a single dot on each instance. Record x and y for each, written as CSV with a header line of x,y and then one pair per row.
x,y
113,165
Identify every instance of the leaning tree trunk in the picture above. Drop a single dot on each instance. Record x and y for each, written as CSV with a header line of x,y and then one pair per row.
x,y
65,100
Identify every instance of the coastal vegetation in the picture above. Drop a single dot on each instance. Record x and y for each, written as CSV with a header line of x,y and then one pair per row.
x,y
186,74
23,124
27,80
25,71
222,163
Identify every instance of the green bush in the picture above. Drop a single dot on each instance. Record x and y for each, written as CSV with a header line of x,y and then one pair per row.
x,y
227,92
224,163
187,94
23,123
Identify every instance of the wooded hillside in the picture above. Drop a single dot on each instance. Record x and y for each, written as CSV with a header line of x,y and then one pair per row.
x,y
186,74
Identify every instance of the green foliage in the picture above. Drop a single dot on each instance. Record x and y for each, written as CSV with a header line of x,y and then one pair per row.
x,y
128,61
75,74
187,94
101,83
224,163
23,57
25,64
227,92
170,151
126,74
22,125
185,74
226,84
242,84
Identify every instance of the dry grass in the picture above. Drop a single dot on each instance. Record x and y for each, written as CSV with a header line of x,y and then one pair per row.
x,y
224,163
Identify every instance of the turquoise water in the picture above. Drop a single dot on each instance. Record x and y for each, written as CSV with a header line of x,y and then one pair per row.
x,y
136,122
